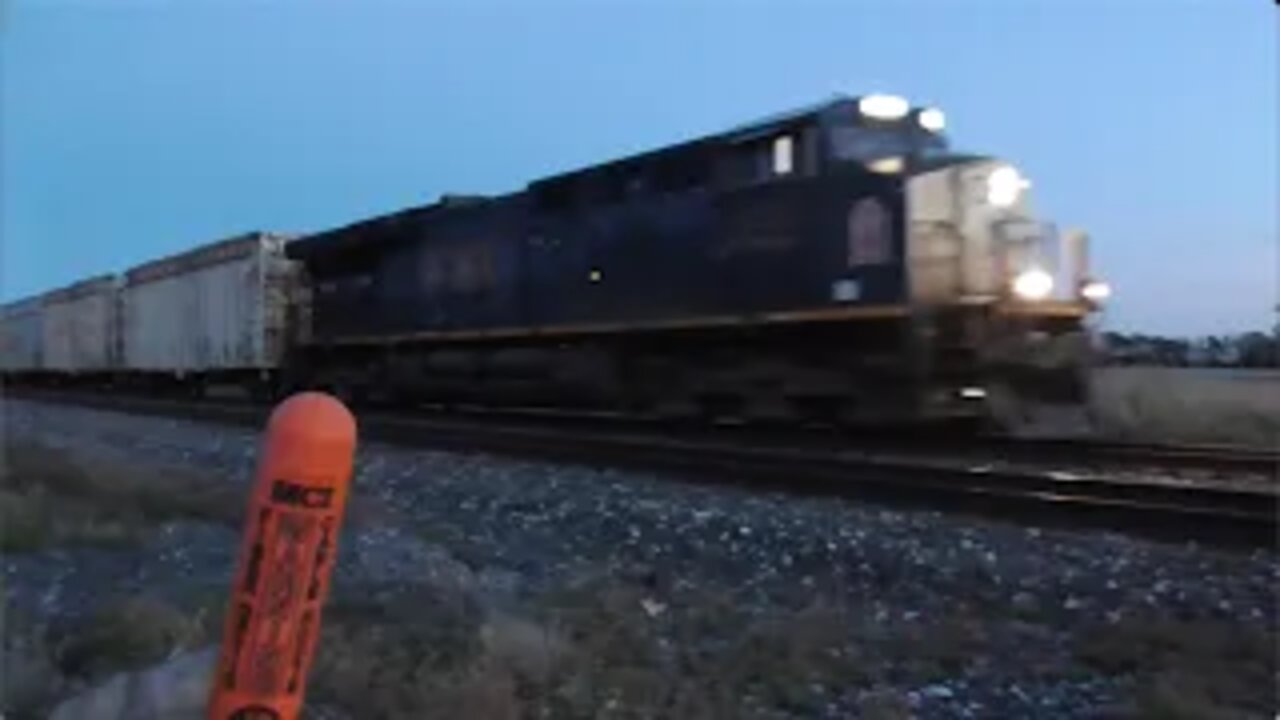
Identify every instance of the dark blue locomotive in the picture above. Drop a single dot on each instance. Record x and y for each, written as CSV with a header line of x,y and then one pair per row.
x,y
838,261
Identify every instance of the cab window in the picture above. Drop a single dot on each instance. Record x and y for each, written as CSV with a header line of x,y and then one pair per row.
x,y
761,160
784,155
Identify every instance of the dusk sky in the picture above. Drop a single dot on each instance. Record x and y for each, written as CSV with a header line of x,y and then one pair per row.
x,y
136,129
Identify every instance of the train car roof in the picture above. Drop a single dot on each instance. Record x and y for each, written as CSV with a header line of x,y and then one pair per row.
x,y
211,253
23,303
82,288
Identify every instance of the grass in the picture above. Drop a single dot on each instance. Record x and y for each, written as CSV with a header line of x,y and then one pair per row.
x,y
44,662
885,705
596,651
29,681
1186,668
1178,405
699,654
51,498
604,650
130,633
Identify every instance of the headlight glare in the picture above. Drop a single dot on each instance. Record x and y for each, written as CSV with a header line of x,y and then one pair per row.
x,y
1096,291
1033,284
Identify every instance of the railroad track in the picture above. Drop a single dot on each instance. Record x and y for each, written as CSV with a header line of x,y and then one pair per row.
x,y
1204,457
1071,451
1222,514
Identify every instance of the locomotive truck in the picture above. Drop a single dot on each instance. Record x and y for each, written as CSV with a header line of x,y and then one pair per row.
x,y
836,262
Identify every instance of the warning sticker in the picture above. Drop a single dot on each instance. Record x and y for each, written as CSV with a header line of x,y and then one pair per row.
x,y
286,574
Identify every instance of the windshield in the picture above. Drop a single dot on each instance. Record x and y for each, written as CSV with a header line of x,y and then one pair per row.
x,y
864,144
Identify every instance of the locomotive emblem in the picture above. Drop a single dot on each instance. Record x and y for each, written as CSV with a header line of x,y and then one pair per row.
x,y
869,233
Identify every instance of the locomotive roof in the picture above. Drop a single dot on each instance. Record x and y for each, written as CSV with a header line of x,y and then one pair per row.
x,y
770,122
737,133
382,228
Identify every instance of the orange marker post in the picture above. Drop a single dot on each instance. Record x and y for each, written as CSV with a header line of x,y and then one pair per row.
x,y
286,557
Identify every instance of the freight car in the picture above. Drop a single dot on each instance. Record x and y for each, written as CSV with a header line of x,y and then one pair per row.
x,y
80,337
22,336
216,315
219,314
65,336
839,261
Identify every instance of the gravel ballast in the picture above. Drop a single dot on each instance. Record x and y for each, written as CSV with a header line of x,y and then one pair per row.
x,y
861,610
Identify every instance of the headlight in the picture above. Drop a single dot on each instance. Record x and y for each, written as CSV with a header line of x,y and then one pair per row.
x,y
1034,284
1095,291
932,119
1004,184
887,166
883,107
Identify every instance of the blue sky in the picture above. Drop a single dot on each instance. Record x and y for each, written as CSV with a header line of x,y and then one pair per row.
x,y
134,129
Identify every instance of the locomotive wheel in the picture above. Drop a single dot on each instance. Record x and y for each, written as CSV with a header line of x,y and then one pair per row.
x,y
822,409
720,406
1007,410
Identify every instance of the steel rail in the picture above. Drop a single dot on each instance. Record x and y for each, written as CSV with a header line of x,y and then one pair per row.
x,y
1210,513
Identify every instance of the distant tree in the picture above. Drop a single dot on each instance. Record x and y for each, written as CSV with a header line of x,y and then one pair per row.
x,y
1252,349
1216,347
1256,350
1172,351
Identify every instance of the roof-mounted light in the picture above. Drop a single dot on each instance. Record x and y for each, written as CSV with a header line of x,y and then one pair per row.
x,y
933,120
883,107
1004,186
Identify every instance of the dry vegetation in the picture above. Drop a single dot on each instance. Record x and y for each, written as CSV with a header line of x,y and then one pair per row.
x,y
1185,669
1194,406
605,649
597,651
50,498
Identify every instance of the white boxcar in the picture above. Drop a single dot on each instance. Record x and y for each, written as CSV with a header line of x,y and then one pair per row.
x,y
81,326
21,336
221,307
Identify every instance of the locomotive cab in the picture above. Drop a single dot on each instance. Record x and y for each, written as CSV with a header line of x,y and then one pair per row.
x,y
883,134
991,305
998,298
972,233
